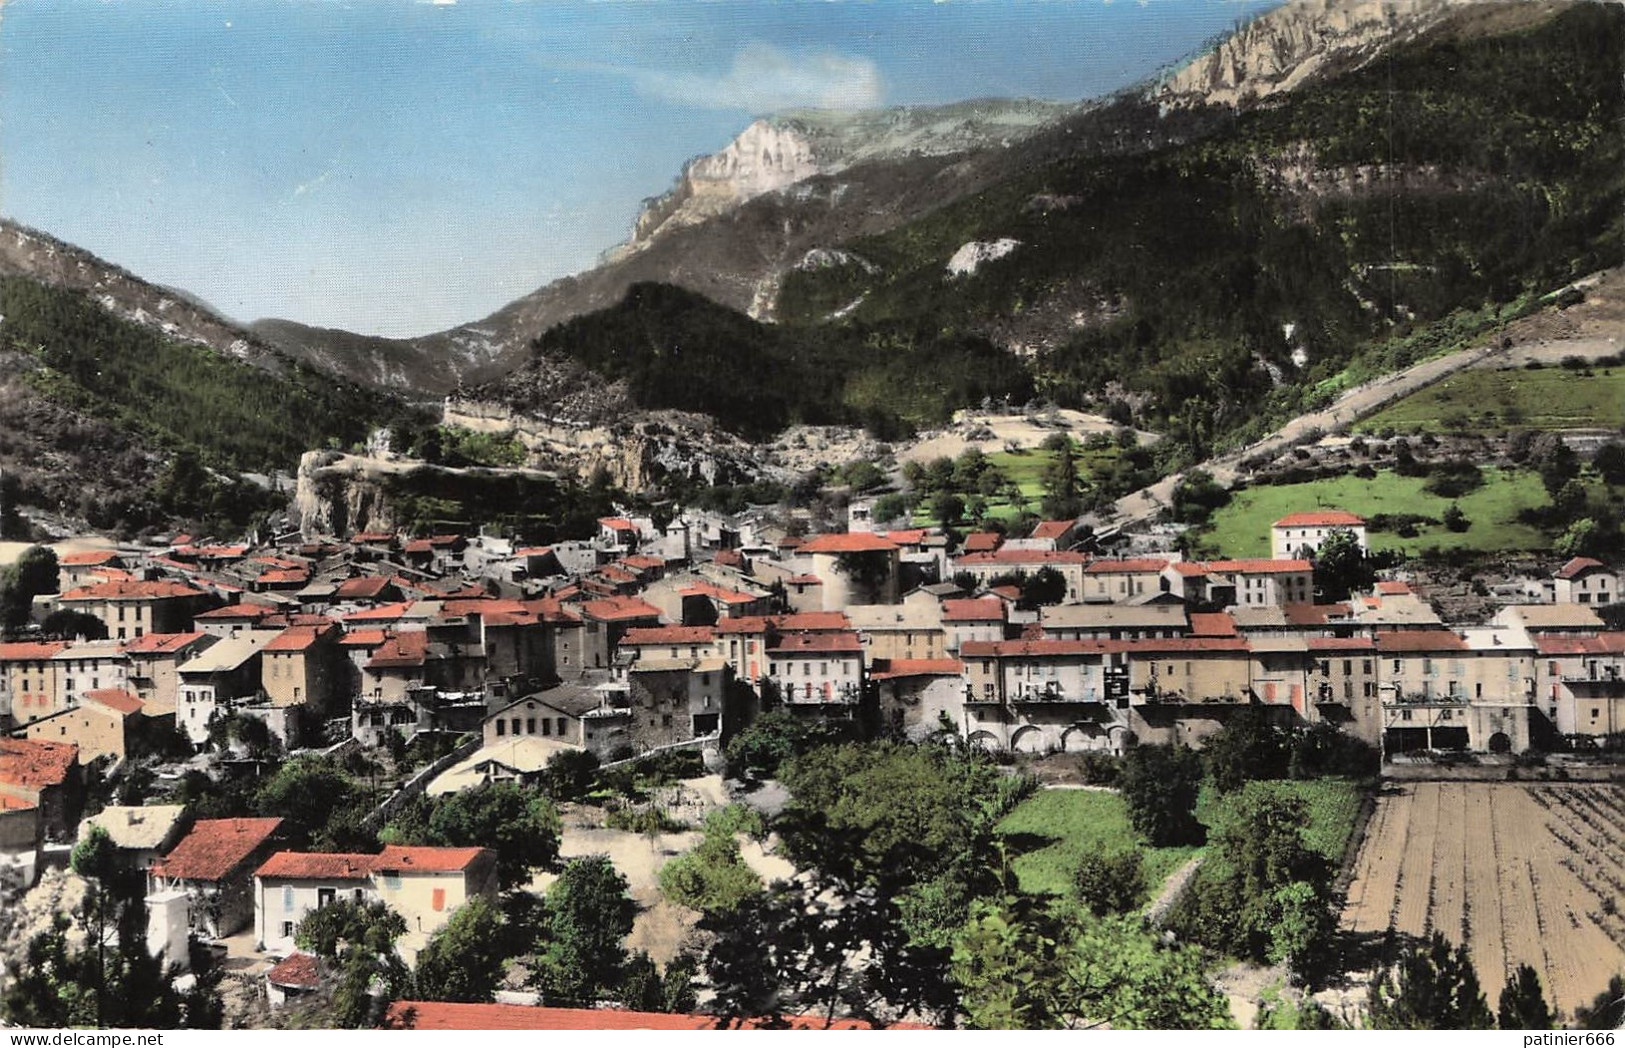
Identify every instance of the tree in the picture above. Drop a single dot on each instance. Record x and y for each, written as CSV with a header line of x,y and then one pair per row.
x,y
589,914
321,806
1196,497
1522,1005
1610,462
1431,987
645,988
1341,566
66,623
33,573
1263,894
1569,501
1454,519
570,774
1018,967
1042,588
1555,460
948,507
712,877
1607,1009
1110,882
1248,747
1160,785
465,959
772,739
95,858
1060,480
520,824
359,938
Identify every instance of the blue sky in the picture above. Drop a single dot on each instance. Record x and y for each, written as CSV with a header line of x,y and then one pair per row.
x,y
397,167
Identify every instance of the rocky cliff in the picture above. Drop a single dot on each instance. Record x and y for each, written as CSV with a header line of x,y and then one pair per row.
x,y
638,453
1296,42
778,152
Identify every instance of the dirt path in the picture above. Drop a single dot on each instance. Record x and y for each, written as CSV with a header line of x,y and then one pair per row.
x,y
1595,328
1172,889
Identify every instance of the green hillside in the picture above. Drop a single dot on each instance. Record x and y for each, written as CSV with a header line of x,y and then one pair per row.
x,y
1377,214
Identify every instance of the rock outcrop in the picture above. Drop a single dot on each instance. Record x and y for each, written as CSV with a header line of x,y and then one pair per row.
x,y
637,453
1292,44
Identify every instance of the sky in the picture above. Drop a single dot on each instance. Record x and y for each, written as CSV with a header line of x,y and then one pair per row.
x,y
397,167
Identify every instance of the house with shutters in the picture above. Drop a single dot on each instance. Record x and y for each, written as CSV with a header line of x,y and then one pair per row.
x,y
424,885
214,866
1585,581
1300,534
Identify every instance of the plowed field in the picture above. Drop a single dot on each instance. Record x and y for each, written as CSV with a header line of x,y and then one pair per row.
x,y
1520,873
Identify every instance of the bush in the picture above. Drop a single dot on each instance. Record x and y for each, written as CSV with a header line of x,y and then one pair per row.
x,y
1099,769
1111,882
1160,785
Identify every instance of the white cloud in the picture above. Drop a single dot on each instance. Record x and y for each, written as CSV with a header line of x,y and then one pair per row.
x,y
765,79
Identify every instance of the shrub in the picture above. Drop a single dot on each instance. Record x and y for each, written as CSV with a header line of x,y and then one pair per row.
x,y
1110,882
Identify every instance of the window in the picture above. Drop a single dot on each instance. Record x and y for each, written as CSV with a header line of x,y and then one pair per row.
x,y
502,728
561,726
392,880
287,898
438,900
287,929
530,725
547,726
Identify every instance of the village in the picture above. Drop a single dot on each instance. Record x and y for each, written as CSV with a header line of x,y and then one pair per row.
x,y
646,640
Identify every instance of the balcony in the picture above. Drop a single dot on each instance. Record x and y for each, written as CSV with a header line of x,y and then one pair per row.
x,y
1053,691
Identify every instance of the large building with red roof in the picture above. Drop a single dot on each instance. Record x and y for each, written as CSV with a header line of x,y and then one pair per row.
x,y
133,608
46,775
1298,535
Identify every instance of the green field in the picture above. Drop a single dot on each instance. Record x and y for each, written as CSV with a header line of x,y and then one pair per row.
x,y
1475,401
1051,831
1242,529
1026,468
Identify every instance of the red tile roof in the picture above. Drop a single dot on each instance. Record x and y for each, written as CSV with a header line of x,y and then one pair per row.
x,y
848,542
1320,519
429,860
300,575
744,624
317,866
907,537
116,699
980,609
1259,566
813,621
804,580
1579,566
363,638
730,558
1189,568
1175,645
216,847
643,562
1342,644
161,643
669,635
442,1015
1574,644
10,803
982,542
616,573
88,558
817,644
27,651
236,613
727,596
298,638
617,524
1131,566
1053,529
1393,589
1025,556
611,609
381,613
889,669
301,971
403,650
1212,624
159,590
36,765
419,546
994,648
366,587
1419,640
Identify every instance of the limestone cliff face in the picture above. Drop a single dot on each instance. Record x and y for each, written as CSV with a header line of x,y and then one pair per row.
x,y
636,453
337,494
1284,48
